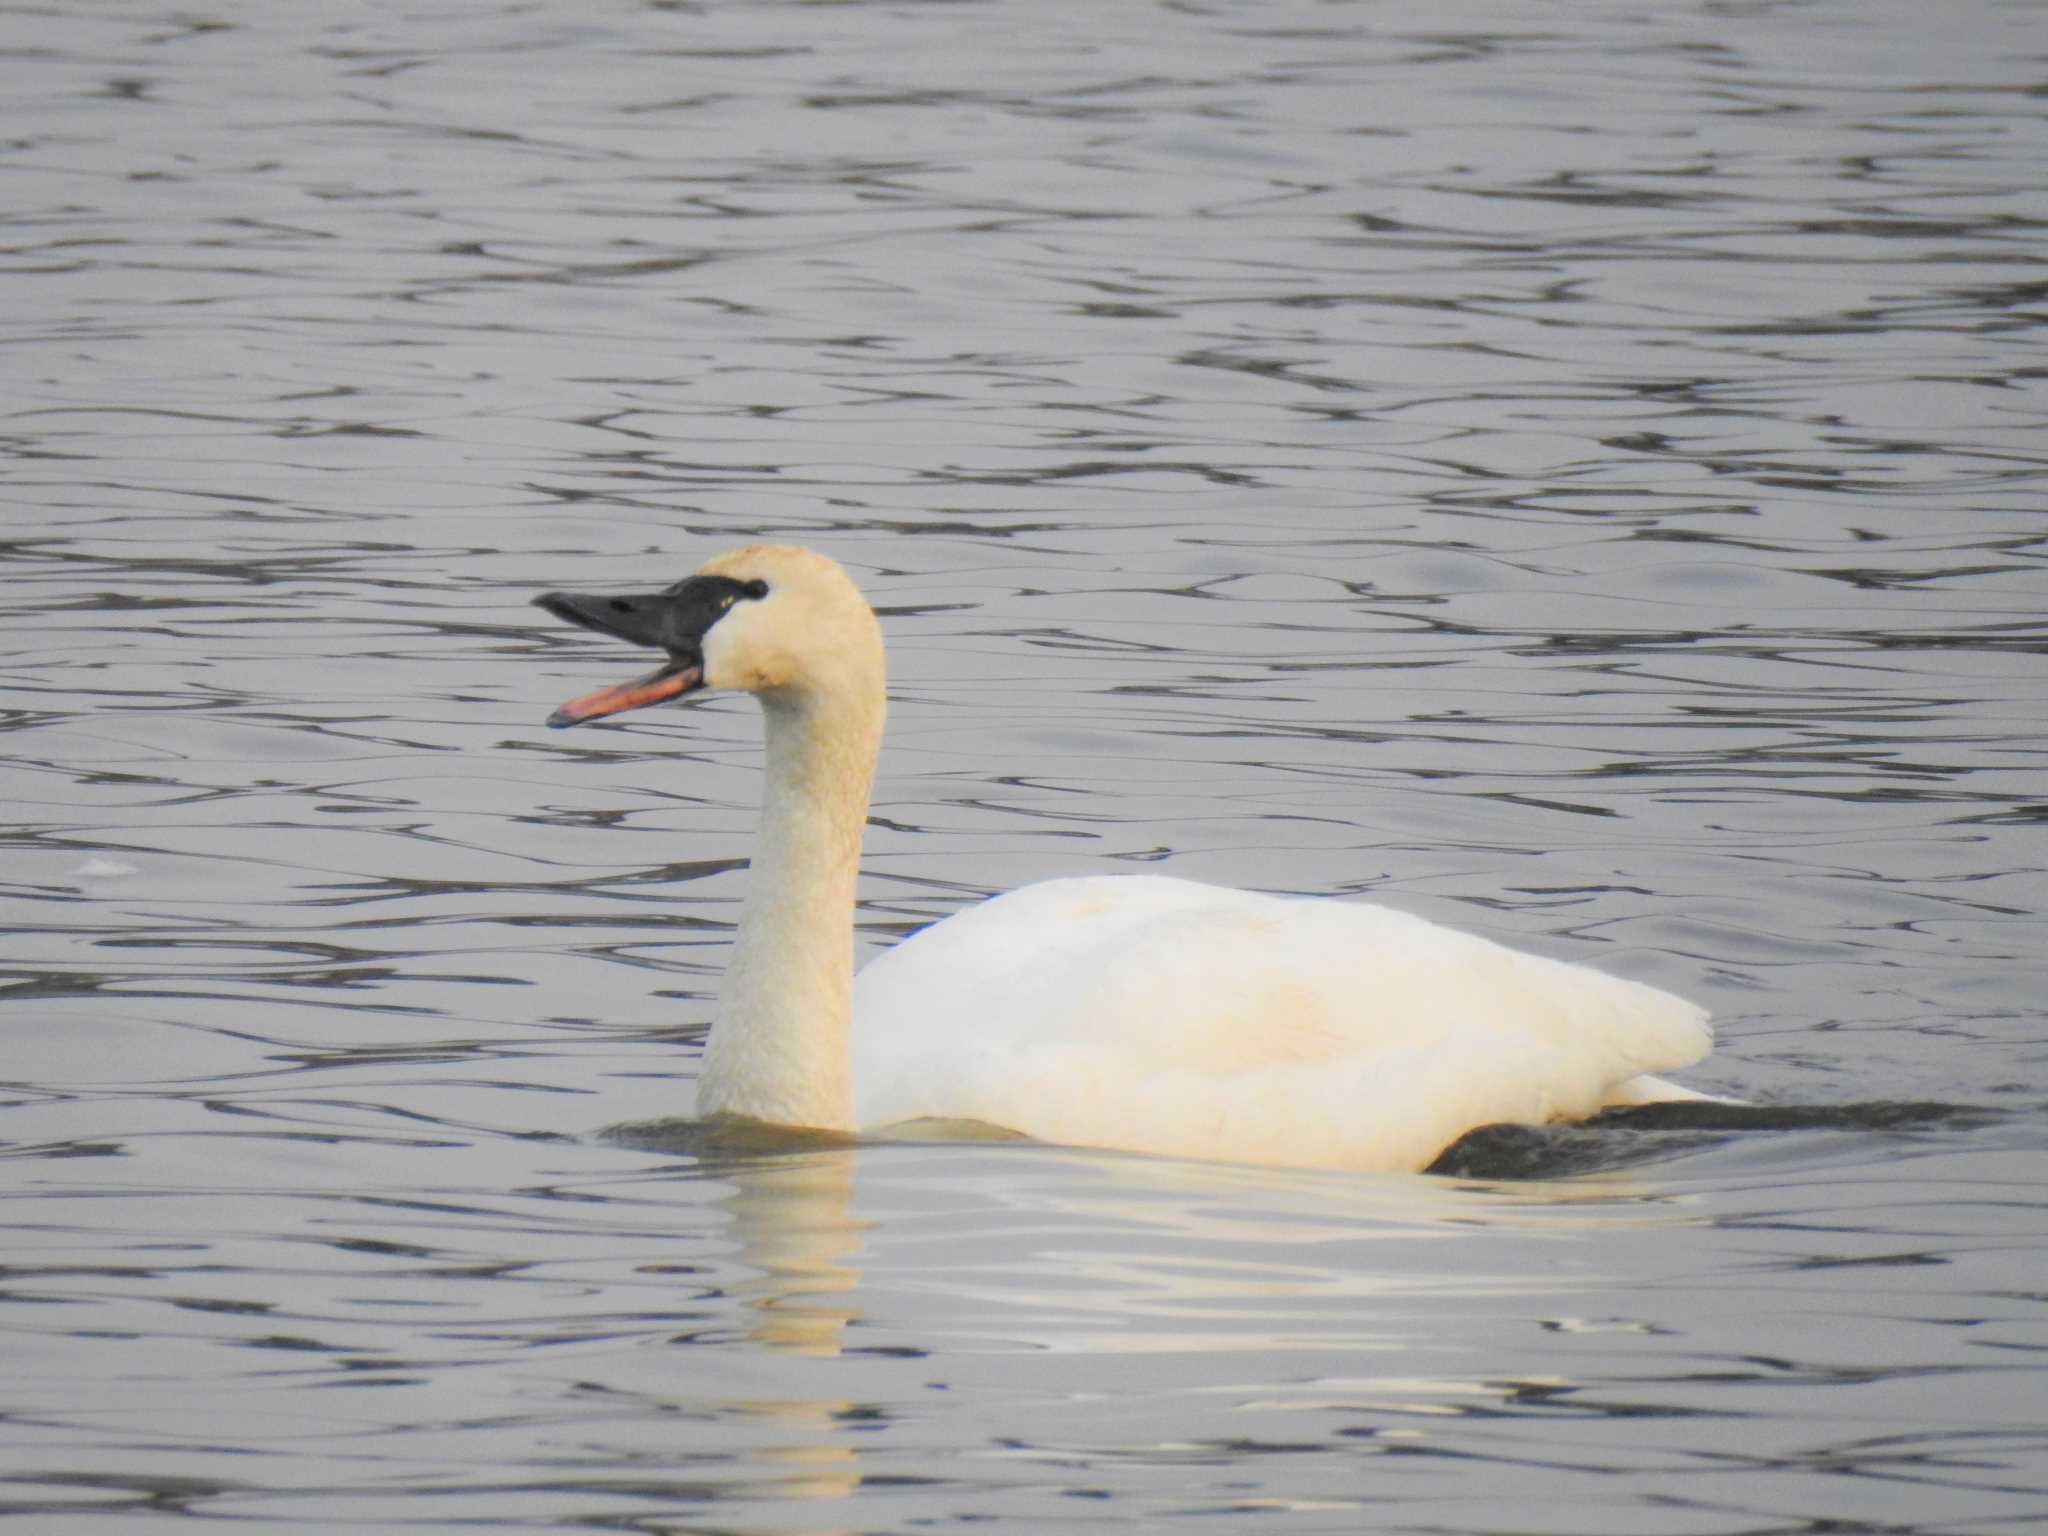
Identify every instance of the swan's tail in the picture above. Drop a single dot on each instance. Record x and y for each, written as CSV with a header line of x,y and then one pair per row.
x,y
1655,1090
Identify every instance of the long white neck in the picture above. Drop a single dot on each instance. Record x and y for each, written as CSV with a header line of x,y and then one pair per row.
x,y
779,1050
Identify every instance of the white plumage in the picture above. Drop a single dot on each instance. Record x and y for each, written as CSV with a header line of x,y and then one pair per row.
x,y
1135,1012
1167,1016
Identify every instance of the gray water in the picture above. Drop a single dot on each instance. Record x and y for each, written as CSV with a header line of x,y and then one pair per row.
x,y
1572,470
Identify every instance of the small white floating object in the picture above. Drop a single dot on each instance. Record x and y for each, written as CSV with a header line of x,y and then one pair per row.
x,y
97,868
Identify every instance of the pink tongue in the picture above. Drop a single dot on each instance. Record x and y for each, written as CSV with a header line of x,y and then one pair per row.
x,y
651,689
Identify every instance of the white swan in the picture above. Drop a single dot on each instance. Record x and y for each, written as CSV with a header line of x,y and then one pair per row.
x,y
1135,1012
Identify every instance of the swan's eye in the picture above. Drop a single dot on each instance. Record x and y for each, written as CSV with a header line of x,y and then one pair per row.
x,y
756,588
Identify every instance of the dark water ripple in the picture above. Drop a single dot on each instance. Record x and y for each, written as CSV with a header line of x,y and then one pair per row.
x,y
1574,471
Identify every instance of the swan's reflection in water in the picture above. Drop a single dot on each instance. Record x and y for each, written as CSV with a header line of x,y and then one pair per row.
x,y
1015,1245
903,1321
792,1218
790,1198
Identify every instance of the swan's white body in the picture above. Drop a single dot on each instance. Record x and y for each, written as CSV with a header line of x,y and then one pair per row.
x,y
1167,1016
1134,1012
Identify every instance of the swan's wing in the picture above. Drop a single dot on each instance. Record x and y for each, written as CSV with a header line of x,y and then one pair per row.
x,y
1173,1017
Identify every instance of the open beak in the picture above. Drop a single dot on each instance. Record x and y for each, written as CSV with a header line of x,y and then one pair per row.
x,y
643,620
667,682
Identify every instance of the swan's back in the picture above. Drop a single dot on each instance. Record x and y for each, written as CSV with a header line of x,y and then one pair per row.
x,y
1190,1020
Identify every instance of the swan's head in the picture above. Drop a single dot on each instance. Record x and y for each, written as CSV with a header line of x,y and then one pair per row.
x,y
775,620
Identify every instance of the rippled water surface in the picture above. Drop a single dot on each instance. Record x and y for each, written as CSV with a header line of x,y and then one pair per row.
x,y
1572,470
